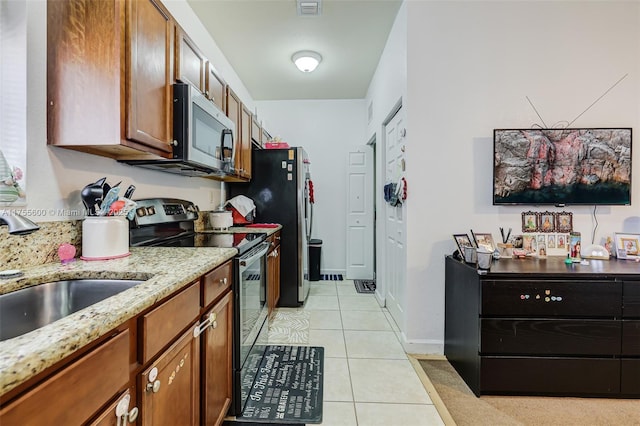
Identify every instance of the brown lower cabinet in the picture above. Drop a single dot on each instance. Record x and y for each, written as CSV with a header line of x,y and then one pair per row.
x,y
273,272
216,351
171,365
169,387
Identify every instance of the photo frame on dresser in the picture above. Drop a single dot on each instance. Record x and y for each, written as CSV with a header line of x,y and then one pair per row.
x,y
462,241
627,246
484,240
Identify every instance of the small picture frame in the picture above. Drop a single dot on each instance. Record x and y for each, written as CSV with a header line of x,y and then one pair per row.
x,y
575,246
484,240
546,222
462,241
627,246
529,221
564,222
530,244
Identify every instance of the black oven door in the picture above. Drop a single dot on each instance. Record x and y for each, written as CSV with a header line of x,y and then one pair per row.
x,y
250,331
252,297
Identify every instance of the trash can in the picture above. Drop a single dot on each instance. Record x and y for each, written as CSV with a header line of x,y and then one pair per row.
x,y
315,249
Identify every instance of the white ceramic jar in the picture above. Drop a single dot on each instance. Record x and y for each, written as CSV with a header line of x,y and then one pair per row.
x,y
105,237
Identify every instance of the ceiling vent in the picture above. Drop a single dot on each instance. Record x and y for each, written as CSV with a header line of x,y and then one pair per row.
x,y
309,7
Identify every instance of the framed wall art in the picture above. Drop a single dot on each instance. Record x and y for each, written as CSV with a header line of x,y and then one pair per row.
x,y
564,222
529,222
547,222
627,246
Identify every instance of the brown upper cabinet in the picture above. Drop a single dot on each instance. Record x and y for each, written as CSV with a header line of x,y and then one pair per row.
x,y
245,143
109,76
216,88
234,111
256,131
190,62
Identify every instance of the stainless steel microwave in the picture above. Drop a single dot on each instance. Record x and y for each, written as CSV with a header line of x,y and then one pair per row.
x,y
203,137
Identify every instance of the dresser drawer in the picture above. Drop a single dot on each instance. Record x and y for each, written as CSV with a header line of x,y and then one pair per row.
x,y
549,376
587,299
216,283
165,322
550,337
631,299
631,337
630,377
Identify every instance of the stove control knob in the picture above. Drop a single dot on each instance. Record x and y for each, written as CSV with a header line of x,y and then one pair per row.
x,y
141,211
151,210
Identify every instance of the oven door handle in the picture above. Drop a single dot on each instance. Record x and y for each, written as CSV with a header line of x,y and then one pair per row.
x,y
249,260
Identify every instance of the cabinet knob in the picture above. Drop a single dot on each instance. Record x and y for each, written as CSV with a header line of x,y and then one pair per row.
x,y
174,143
153,387
223,281
132,415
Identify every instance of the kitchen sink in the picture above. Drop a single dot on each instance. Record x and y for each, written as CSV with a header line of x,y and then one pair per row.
x,y
25,310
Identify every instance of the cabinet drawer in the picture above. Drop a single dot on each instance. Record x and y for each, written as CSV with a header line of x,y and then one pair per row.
x,y
216,283
549,376
631,337
165,322
630,377
527,298
550,337
631,299
73,395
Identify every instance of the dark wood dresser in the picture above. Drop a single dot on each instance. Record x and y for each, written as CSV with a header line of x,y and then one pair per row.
x,y
541,327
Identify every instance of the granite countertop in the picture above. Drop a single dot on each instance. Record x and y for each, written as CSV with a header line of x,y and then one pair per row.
x,y
25,356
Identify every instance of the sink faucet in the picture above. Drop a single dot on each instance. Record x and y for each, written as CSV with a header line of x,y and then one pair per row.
x,y
18,225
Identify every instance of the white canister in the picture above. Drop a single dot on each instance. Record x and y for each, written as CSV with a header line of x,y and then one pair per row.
x,y
105,237
220,219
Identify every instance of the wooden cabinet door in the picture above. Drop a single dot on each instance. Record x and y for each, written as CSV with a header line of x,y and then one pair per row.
x,y
273,274
216,88
256,131
217,362
234,108
149,74
169,387
75,394
245,143
190,62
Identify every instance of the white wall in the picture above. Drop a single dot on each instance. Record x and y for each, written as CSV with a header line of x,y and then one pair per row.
x,y
56,175
470,66
326,129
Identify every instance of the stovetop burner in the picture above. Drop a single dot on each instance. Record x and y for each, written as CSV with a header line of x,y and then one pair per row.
x,y
163,222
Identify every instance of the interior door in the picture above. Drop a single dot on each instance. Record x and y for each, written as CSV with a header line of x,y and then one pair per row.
x,y
395,222
360,213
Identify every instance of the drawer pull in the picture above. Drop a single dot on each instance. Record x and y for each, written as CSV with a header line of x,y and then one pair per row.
x,y
153,387
223,281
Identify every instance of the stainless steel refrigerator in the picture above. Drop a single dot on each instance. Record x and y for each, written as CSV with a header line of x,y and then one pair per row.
x,y
279,187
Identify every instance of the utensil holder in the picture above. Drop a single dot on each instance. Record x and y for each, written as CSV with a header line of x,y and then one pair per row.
x,y
105,237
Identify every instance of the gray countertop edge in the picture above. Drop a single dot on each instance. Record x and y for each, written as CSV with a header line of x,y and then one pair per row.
x,y
24,356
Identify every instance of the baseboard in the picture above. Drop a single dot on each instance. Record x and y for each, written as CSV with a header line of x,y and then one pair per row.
x,y
422,347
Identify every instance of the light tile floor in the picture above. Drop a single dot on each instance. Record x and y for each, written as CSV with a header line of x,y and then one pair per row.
x,y
368,378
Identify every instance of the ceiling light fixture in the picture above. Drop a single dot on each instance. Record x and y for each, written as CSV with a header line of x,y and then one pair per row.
x,y
306,60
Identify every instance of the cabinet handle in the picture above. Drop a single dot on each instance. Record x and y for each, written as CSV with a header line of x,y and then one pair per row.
x,y
153,387
200,328
223,281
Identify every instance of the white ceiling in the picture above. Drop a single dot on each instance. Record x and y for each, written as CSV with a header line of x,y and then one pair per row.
x,y
258,38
